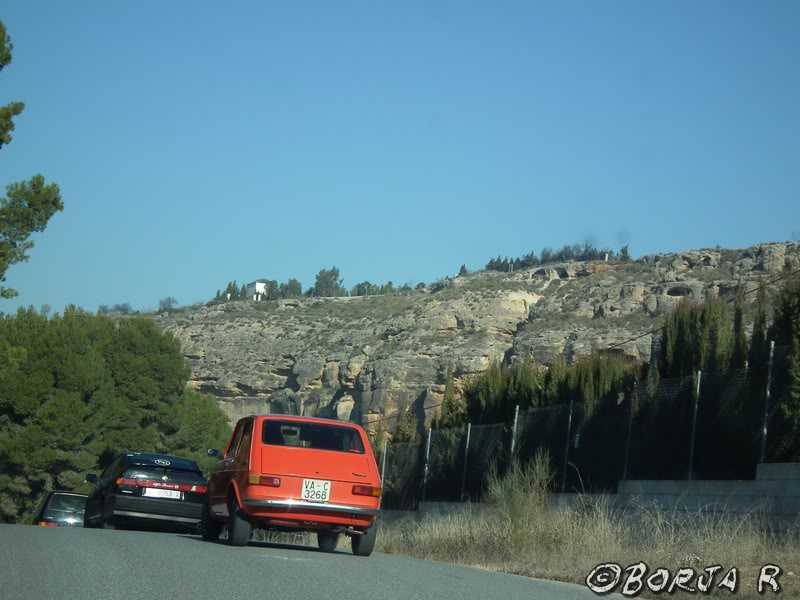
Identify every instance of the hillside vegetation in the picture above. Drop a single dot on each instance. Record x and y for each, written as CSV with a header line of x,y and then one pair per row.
x,y
76,388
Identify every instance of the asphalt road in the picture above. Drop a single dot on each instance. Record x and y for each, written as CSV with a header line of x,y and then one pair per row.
x,y
86,564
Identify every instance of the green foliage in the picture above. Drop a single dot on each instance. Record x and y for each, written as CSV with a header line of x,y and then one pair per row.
x,y
167,303
492,396
122,309
568,253
739,350
28,205
376,440
785,326
696,337
329,284
201,425
463,271
624,254
291,289
486,396
406,428
5,47
785,332
757,357
231,291
365,288
452,413
78,388
271,290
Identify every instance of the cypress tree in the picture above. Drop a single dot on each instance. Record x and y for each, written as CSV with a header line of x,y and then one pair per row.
x,y
739,351
406,428
758,355
716,336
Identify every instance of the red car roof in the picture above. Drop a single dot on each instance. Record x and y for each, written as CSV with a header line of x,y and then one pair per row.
x,y
299,419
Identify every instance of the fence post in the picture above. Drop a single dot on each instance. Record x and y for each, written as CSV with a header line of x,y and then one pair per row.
x,y
425,471
466,458
383,465
514,430
765,418
694,423
566,449
634,395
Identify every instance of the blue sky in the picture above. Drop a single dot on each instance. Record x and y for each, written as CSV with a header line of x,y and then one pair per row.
x,y
198,142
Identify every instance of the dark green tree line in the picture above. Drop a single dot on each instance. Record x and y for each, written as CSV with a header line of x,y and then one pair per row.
x,y
568,253
77,388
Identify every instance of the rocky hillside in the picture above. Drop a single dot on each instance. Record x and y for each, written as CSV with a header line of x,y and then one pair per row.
x,y
363,358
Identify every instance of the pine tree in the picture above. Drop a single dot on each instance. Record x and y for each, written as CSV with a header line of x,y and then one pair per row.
x,y
328,283
28,205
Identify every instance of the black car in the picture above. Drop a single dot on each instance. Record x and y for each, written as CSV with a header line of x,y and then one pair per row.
x,y
61,509
153,489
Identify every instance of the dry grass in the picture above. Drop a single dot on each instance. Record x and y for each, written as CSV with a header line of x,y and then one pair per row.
x,y
525,535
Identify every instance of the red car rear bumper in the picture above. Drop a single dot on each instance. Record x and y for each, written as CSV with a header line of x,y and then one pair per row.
x,y
304,513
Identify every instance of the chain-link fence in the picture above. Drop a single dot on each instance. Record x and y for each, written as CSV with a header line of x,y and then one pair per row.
x,y
782,444
709,426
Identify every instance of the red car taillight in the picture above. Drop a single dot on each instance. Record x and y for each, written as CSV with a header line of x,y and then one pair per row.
x,y
148,483
267,480
366,490
48,524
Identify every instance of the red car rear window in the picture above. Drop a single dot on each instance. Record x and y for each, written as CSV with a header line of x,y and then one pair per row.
x,y
312,435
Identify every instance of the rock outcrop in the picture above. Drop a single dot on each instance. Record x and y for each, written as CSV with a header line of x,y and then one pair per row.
x,y
363,358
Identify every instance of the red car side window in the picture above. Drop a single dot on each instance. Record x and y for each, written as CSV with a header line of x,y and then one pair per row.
x,y
244,443
237,435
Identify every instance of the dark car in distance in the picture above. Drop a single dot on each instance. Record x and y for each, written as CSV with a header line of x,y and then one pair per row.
x,y
61,509
149,489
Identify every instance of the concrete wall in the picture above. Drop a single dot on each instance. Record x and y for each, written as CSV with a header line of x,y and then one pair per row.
x,y
775,492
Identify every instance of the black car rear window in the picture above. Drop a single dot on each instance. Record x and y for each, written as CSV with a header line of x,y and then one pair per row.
x,y
312,435
166,474
67,503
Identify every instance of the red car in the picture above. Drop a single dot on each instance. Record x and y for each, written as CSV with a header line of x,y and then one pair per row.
x,y
295,474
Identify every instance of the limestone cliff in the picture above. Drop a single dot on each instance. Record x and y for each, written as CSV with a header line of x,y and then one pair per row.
x,y
363,358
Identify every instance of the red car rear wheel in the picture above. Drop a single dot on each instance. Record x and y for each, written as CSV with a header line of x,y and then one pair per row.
x,y
239,528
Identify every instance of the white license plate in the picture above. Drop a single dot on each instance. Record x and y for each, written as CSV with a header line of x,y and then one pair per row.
x,y
316,490
156,493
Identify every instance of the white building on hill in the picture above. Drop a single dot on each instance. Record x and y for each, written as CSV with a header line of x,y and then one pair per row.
x,y
257,289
